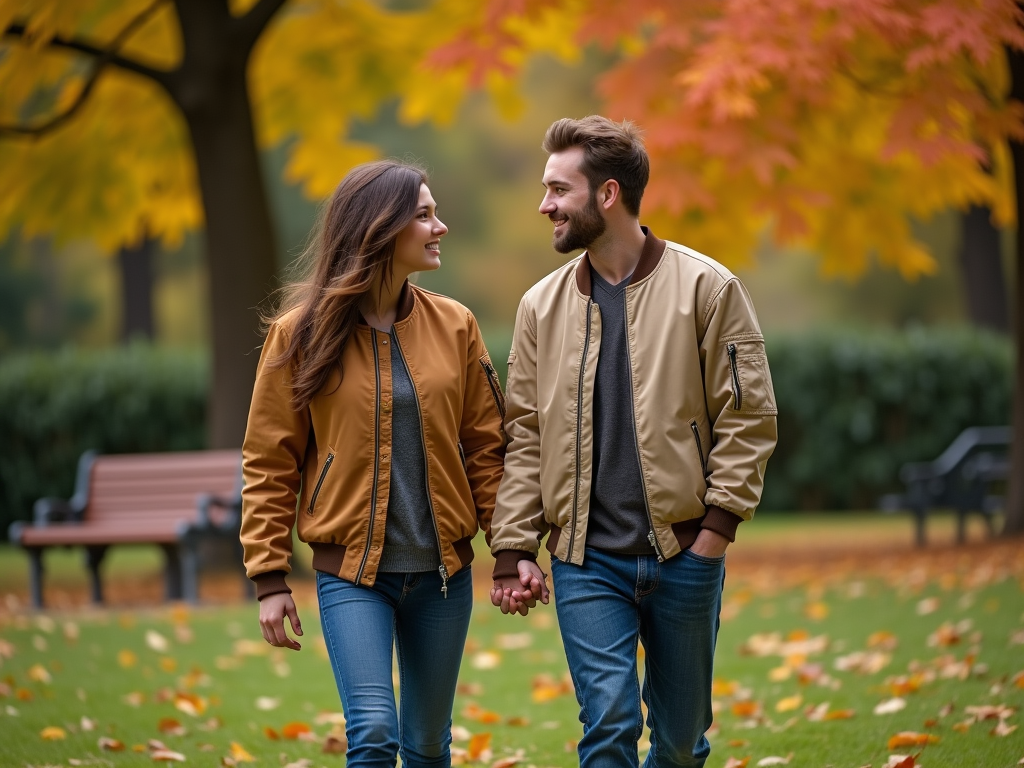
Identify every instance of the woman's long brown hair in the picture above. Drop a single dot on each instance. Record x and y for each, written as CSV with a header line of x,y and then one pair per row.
x,y
352,245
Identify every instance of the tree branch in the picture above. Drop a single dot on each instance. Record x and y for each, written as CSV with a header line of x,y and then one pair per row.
x,y
103,57
251,26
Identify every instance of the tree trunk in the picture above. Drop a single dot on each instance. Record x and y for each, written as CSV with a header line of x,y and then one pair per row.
x,y
1014,525
137,290
214,97
981,265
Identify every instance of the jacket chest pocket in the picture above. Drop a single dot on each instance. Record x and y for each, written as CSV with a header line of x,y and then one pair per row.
x,y
749,377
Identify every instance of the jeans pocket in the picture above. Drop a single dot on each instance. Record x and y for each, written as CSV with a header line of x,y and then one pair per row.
x,y
702,559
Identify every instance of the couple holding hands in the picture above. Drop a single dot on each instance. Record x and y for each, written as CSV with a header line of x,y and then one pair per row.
x,y
634,430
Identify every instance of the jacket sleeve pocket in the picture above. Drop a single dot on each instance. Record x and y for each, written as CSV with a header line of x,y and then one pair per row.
x,y
750,378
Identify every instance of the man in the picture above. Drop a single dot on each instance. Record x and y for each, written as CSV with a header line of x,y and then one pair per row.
x,y
641,415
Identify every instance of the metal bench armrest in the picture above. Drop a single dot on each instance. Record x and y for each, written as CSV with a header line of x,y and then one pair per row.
x,y
53,510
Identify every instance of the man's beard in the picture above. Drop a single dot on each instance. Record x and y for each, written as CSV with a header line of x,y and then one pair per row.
x,y
583,228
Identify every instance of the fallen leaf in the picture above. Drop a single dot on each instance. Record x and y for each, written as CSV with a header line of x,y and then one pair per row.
x,y
240,754
927,606
39,674
127,659
270,733
775,760
332,718
519,722
817,611
478,744
789,703
737,762
53,733
189,703
746,708
460,733
294,730
267,703
1002,729
134,699
901,761
840,714
486,660
508,762
156,641
108,744
303,762
167,756
737,743
912,739
889,706
335,744
171,726
168,664
87,724
470,689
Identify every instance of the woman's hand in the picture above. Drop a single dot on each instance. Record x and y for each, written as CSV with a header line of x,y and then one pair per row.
x,y
273,609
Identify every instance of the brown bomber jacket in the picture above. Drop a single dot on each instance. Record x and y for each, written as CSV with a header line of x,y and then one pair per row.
x,y
325,469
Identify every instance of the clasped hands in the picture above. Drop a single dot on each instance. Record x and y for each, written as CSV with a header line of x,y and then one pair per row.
x,y
518,595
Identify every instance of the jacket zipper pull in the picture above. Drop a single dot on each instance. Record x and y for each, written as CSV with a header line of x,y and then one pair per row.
x,y
654,543
444,580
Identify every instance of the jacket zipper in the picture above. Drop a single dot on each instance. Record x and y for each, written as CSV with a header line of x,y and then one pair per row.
x,y
636,444
492,381
700,450
376,454
736,391
320,482
442,569
579,426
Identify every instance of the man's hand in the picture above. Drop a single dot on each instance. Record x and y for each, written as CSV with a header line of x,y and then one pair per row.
x,y
514,595
273,609
709,544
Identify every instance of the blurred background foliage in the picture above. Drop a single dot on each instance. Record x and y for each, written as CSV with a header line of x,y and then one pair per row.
x,y
110,350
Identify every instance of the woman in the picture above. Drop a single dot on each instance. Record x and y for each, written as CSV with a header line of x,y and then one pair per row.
x,y
376,429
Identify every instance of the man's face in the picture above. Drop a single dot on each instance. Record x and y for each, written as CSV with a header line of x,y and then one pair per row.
x,y
569,202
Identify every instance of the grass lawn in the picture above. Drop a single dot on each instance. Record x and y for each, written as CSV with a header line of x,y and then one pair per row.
x,y
824,619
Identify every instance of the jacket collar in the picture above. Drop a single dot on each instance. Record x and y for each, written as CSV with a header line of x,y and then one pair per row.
x,y
654,248
406,301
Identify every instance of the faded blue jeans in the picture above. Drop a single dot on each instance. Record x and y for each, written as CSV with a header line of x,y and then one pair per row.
x,y
361,626
606,606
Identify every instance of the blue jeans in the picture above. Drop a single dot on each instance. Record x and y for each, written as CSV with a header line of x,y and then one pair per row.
x,y
361,626
606,606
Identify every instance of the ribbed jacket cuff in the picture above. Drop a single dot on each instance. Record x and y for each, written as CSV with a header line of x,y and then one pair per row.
x,y
721,521
506,562
270,583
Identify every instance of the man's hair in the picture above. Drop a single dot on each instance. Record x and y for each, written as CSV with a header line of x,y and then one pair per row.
x,y
610,151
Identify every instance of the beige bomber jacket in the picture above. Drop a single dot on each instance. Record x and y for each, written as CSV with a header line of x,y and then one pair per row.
x,y
703,405
325,469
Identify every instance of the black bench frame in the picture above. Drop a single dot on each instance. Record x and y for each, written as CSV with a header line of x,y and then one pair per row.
x,y
181,558
961,479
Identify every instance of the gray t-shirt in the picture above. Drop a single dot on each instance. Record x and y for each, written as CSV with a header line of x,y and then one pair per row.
x,y
618,515
410,543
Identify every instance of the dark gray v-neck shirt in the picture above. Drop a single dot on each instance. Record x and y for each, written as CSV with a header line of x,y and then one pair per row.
x,y
410,543
618,516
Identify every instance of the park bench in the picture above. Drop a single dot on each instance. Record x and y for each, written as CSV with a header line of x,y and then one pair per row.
x,y
964,478
182,502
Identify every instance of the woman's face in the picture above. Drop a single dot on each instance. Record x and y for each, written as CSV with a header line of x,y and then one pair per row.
x,y
418,246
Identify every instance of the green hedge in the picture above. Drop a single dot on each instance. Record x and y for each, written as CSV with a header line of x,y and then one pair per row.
x,y
855,405
55,406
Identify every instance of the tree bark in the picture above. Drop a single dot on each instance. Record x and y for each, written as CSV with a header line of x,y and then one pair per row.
x,y
136,265
981,265
212,93
1014,523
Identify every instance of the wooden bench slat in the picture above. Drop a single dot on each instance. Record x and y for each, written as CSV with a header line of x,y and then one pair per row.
x,y
141,499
